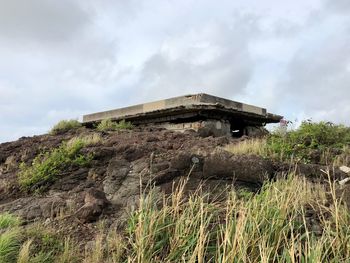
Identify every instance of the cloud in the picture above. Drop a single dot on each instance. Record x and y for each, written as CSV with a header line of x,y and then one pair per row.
x,y
212,58
339,6
61,59
318,75
41,20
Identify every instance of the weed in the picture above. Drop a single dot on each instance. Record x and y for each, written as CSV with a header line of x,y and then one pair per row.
x,y
87,140
321,142
109,125
9,245
250,146
47,246
24,253
116,247
7,221
65,125
47,166
69,253
270,226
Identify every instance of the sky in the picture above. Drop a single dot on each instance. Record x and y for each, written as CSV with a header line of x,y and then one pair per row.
x,y
62,59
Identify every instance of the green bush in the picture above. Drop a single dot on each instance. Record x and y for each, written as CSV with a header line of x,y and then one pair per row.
x,y
47,166
65,125
322,142
109,125
311,142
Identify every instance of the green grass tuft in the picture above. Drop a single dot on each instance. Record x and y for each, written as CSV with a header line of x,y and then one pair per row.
x,y
109,125
65,125
9,245
7,221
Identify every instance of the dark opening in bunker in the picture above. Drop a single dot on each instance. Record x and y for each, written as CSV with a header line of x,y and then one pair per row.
x,y
237,128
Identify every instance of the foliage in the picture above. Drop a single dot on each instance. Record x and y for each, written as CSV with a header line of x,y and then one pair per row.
x,y
311,141
9,245
64,125
47,166
7,220
44,245
270,226
109,125
34,244
250,146
321,142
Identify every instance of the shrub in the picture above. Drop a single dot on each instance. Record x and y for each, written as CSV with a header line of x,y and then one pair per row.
x,y
106,125
47,166
109,125
65,125
124,125
321,142
317,142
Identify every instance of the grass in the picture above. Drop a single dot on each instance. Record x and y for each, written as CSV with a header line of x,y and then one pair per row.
x,y
32,245
273,225
9,237
65,125
109,125
7,220
343,158
250,146
24,252
323,143
47,166
288,220
9,245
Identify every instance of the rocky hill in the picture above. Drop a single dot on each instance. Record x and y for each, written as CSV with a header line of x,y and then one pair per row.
x,y
111,170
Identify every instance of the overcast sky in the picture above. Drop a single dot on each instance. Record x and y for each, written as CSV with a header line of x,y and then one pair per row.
x,y
62,59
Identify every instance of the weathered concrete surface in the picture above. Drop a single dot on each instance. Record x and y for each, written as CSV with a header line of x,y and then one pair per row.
x,y
185,108
205,128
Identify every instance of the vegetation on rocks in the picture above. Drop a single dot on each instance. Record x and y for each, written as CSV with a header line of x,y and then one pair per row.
x,y
47,166
138,200
290,220
9,241
34,244
272,226
321,142
109,125
65,125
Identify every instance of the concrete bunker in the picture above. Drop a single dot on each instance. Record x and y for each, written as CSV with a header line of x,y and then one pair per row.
x,y
206,114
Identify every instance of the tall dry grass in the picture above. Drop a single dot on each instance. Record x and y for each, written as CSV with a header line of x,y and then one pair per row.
x,y
289,220
272,226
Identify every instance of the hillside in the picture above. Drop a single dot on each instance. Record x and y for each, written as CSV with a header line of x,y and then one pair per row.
x,y
152,195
